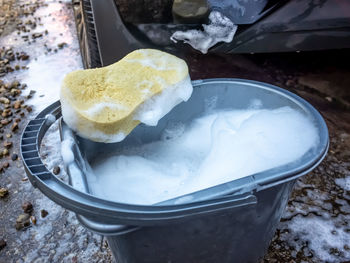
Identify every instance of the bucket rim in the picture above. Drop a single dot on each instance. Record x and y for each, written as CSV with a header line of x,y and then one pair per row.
x,y
107,211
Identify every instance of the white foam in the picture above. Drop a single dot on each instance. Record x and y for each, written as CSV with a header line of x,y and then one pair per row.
x,y
213,149
220,29
66,148
155,108
50,119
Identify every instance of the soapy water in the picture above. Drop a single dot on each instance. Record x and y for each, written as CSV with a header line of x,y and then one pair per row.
x,y
220,29
213,149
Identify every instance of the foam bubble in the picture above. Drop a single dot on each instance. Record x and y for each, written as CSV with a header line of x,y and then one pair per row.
x,y
220,29
50,119
213,149
66,148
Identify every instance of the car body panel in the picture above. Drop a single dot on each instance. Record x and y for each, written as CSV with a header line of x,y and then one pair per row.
x,y
286,26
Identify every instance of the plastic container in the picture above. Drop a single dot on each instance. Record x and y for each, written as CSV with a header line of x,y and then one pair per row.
x,y
231,222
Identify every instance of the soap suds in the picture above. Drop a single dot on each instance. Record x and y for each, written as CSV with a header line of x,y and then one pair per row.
x,y
213,149
66,148
220,29
155,108
50,119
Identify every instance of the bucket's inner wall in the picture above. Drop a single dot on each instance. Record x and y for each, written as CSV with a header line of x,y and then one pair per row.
x,y
223,94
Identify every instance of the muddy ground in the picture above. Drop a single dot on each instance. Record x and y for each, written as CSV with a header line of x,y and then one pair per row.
x,y
315,226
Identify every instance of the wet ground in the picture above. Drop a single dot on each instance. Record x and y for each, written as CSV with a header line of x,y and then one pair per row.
x,y
37,39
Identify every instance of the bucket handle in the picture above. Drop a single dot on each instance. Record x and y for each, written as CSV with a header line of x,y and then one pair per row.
x,y
105,229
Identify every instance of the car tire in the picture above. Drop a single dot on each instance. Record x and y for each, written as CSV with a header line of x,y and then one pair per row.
x,y
86,32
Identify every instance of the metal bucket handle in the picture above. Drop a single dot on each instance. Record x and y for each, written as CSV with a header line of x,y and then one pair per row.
x,y
91,208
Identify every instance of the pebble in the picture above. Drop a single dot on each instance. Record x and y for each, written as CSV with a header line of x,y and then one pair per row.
x,y
17,104
4,100
5,121
37,35
3,192
33,219
2,244
14,127
8,144
5,152
27,207
24,57
56,170
43,213
6,165
15,84
14,157
62,45
22,221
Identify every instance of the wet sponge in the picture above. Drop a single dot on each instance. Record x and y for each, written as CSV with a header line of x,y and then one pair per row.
x,y
106,104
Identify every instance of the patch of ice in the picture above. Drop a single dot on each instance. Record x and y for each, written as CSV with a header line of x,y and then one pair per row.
x,y
220,29
343,183
322,237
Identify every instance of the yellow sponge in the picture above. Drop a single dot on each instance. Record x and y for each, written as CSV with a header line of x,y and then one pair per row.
x,y
106,104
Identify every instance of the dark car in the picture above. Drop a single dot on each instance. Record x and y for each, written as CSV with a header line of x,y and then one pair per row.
x,y
109,29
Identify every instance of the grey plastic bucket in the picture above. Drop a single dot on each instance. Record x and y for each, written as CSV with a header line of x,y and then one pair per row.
x,y
231,222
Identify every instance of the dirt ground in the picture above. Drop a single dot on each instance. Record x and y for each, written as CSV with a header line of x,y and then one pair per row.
x,y
314,227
